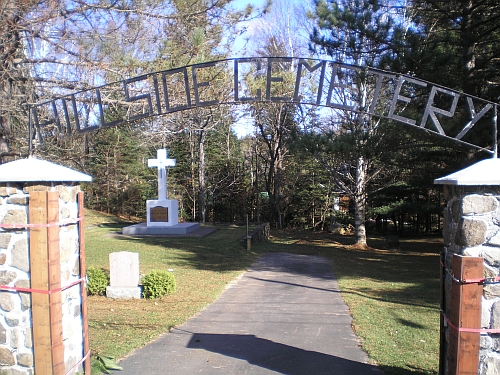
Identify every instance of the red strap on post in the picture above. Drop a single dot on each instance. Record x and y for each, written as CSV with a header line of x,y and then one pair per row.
x,y
487,280
41,291
40,225
481,280
473,330
75,367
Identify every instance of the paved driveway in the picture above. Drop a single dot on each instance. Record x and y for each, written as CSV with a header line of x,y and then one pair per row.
x,y
283,316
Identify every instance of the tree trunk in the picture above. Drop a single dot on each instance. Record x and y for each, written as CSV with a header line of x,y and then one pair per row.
x,y
257,190
468,49
360,202
9,46
201,176
193,197
277,196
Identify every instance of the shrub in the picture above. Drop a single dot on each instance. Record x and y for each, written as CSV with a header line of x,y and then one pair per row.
x,y
158,283
97,281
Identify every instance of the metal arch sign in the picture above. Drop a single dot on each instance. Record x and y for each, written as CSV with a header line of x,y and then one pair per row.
x,y
342,87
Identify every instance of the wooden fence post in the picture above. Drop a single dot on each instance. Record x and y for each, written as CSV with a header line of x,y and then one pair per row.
x,y
442,329
465,313
54,252
83,290
46,276
39,266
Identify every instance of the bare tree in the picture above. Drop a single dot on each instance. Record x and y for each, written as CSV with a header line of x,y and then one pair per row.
x,y
279,33
49,48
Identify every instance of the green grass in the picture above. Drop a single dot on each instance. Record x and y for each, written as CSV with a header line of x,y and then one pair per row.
x,y
394,300
202,268
393,296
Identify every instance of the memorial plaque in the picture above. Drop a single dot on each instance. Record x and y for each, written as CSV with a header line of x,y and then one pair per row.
x,y
159,214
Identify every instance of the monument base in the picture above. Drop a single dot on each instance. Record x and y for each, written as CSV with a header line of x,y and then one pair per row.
x,y
143,229
123,292
162,213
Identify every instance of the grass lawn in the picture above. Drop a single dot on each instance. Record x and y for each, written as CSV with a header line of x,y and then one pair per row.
x,y
202,268
393,295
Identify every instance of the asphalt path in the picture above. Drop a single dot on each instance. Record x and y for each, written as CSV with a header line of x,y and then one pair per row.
x,y
284,315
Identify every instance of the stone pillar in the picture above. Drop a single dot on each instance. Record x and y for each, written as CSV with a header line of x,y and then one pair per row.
x,y
472,228
16,349
17,343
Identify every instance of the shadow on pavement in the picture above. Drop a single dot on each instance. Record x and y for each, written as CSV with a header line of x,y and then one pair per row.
x,y
294,284
274,356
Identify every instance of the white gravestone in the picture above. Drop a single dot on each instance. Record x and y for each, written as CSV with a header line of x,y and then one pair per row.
x,y
162,212
123,275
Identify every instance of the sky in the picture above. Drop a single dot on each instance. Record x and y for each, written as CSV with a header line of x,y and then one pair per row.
x,y
244,125
240,40
254,24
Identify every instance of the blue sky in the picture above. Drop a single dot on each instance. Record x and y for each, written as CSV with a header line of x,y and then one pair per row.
x,y
240,41
245,124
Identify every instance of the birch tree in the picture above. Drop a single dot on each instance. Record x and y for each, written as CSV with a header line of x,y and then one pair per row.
x,y
354,32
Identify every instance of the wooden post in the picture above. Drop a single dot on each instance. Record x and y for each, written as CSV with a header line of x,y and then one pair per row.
x,y
45,270
442,303
39,269
465,313
56,326
83,290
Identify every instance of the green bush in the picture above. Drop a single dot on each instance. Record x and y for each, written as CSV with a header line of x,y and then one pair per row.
x,y
158,283
97,281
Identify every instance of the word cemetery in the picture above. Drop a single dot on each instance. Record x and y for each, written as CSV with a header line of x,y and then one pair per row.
x,y
398,97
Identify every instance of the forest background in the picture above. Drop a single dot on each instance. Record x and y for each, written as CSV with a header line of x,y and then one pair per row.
x,y
295,166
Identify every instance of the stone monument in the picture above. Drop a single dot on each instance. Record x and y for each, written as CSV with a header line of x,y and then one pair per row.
x,y
123,275
162,213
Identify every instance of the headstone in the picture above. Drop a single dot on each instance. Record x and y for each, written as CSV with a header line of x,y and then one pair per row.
x,y
123,275
124,269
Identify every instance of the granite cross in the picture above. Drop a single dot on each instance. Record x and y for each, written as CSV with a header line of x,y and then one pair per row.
x,y
162,163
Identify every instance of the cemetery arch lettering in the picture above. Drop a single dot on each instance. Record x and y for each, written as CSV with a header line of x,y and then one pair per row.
x,y
401,98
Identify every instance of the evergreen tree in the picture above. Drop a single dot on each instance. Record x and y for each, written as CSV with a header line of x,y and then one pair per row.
x,y
122,182
51,48
458,44
355,32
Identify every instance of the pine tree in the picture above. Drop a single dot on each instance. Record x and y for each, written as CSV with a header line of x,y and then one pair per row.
x,y
354,32
458,44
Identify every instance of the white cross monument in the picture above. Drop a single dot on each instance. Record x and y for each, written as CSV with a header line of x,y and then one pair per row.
x,y
162,163
162,212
